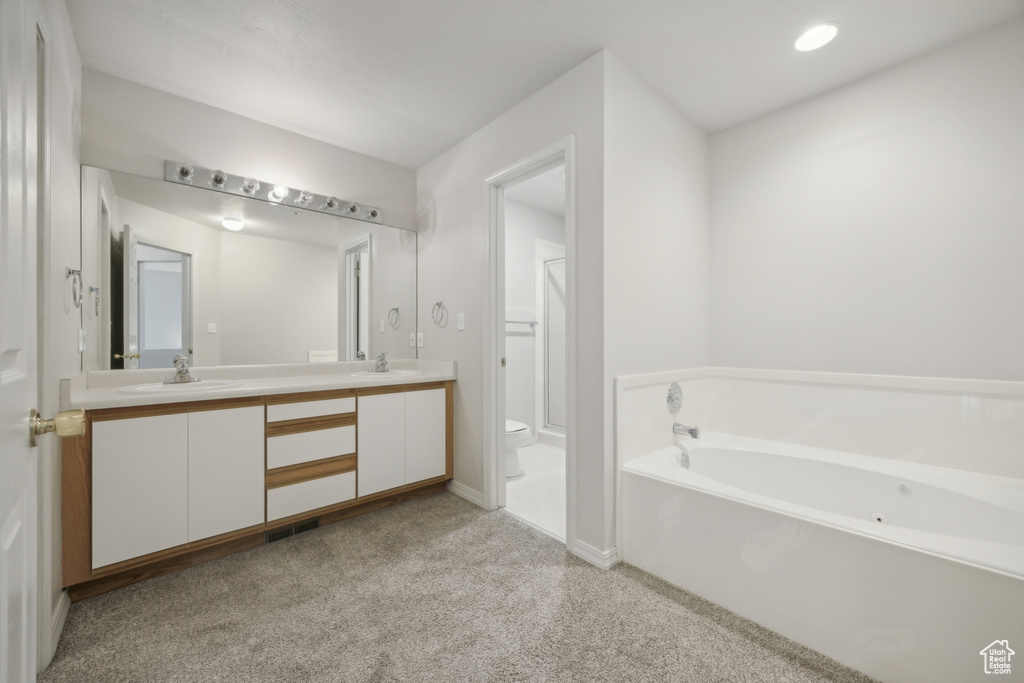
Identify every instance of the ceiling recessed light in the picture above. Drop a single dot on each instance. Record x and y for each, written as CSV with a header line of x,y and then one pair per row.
x,y
816,37
234,224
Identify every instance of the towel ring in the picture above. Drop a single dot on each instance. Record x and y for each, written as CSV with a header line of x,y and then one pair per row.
x,y
76,286
394,319
439,314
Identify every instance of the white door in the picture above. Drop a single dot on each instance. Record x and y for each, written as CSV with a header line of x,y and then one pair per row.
x,y
130,249
18,362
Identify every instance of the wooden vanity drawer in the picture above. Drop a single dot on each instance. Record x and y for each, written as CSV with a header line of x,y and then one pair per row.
x,y
282,412
292,449
294,499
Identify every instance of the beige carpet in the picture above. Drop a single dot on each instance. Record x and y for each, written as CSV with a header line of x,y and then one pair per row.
x,y
431,590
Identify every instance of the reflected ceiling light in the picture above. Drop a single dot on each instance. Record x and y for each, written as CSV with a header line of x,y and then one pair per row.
x,y
278,193
815,37
232,223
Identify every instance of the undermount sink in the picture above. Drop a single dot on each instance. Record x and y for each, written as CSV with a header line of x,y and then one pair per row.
x,y
181,388
390,374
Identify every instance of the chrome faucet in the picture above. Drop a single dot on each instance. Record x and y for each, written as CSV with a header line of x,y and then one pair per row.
x,y
181,376
382,365
683,429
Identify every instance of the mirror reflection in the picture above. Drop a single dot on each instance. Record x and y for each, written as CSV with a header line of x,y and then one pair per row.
x,y
171,269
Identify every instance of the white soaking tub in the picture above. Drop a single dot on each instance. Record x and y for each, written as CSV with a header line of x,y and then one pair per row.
x,y
905,572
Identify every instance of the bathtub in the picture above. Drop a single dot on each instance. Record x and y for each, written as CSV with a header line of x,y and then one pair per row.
x,y
905,572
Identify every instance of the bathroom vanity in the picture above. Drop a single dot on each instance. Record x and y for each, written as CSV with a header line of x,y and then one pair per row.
x,y
167,477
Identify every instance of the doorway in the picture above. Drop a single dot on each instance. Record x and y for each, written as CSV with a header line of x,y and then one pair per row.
x,y
354,296
532,275
165,305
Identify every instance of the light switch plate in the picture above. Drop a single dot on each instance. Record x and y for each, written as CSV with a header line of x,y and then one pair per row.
x,y
412,340
81,341
419,340
462,321
381,325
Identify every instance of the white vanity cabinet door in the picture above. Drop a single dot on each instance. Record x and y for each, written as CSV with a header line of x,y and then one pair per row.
x,y
381,442
139,486
225,471
425,443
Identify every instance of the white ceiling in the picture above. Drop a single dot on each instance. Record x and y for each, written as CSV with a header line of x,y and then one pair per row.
x,y
405,80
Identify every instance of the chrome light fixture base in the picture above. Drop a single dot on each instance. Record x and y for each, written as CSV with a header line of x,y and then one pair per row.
x,y
184,173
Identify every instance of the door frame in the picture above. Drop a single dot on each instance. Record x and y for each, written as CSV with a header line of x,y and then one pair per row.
x,y
348,342
562,152
544,253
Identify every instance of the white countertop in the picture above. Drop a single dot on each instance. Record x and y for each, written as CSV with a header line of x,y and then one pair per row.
x,y
97,389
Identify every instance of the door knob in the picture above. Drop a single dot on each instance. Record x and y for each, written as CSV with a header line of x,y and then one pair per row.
x,y
67,423
129,356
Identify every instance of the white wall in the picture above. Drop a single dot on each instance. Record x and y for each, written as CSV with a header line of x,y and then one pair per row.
x,y
656,231
453,254
877,229
60,320
524,225
131,128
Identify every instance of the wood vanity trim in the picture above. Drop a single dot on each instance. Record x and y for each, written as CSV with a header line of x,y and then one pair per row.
x,y
296,474
400,388
173,408
175,551
76,506
309,396
449,425
309,424
399,490
189,558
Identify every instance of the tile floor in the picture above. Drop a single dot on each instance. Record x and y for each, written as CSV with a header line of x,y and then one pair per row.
x,y
539,496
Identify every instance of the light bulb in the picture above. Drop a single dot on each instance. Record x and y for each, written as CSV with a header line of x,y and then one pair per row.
x,y
278,193
305,197
232,223
250,185
815,37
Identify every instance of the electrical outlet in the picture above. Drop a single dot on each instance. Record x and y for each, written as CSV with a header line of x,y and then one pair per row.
x,y
211,328
412,340
381,325
462,321
81,341
419,340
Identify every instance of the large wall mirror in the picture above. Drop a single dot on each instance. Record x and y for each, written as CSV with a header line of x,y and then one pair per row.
x,y
164,274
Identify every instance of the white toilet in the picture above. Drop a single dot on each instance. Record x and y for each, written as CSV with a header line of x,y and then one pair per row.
x,y
517,435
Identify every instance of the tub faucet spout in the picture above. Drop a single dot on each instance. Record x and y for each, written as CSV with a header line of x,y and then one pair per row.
x,y
683,429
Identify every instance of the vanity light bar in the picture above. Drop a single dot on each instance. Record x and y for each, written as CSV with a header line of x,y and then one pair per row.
x,y
209,179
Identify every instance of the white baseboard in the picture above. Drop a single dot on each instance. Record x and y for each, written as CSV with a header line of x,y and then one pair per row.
x,y
604,559
462,491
